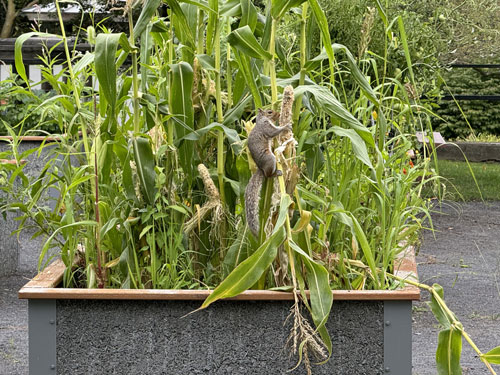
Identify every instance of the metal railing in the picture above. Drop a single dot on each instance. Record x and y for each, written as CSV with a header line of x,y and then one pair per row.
x,y
492,98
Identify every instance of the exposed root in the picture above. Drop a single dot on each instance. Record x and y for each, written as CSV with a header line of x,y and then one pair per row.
x,y
303,337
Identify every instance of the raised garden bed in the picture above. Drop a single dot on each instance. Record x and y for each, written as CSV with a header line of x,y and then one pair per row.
x,y
146,331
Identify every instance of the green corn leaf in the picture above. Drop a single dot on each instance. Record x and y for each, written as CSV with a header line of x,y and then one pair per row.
x,y
183,31
266,32
104,159
82,63
212,24
181,107
320,293
180,98
231,134
109,225
328,103
404,42
237,251
18,51
206,61
231,8
148,9
244,41
493,356
382,13
440,314
246,71
105,66
145,55
248,14
353,66
46,246
358,145
448,352
235,113
322,23
249,271
367,250
122,150
200,4
280,7
145,164
128,180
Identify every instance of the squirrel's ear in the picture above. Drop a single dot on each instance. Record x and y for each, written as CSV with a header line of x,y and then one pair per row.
x,y
260,110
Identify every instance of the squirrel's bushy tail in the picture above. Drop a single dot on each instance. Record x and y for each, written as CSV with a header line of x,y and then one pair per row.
x,y
252,199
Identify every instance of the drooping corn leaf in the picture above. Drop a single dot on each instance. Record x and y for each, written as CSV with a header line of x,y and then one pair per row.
x,y
328,103
358,145
245,41
231,134
353,66
47,244
440,314
448,352
85,61
200,4
248,272
18,52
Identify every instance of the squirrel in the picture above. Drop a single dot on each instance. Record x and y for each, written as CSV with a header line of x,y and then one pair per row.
x,y
259,144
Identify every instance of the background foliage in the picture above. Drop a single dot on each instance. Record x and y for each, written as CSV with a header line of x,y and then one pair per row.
x,y
469,116
22,110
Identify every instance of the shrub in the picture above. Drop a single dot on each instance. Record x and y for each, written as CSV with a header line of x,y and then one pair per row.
x,y
24,111
481,116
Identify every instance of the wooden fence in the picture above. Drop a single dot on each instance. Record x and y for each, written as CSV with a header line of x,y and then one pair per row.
x,y
32,49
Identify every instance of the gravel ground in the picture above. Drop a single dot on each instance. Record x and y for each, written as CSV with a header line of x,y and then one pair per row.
x,y
13,327
463,255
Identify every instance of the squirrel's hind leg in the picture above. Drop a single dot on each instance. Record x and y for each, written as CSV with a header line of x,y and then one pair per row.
x,y
269,168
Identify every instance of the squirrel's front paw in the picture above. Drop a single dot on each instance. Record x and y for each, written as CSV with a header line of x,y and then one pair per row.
x,y
279,173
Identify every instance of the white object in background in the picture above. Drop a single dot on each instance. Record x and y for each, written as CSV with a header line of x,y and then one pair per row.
x,y
5,71
35,75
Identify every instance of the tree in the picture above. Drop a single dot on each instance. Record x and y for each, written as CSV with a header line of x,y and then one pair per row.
x,y
11,24
12,10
